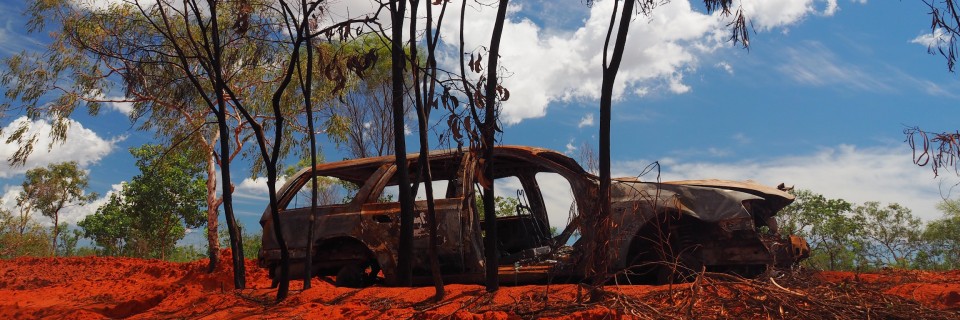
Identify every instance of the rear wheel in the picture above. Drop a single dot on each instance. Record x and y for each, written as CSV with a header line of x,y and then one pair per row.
x,y
665,251
357,274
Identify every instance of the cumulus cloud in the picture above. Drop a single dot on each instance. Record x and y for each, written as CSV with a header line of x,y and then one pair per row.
x,y
82,145
562,65
766,15
8,201
856,174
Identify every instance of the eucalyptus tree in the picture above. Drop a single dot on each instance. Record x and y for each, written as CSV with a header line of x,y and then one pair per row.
x,y
286,26
941,239
53,188
195,62
22,237
95,50
891,234
835,235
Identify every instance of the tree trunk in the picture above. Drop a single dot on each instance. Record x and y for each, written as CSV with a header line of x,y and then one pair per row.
x,y
489,140
213,212
220,88
236,240
308,272
56,231
405,243
423,113
602,221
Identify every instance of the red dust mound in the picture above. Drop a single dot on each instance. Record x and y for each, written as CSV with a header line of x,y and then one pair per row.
x,y
99,288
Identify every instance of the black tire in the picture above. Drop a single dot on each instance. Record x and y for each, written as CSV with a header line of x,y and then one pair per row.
x,y
357,274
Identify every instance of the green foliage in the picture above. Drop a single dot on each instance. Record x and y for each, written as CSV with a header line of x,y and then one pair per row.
x,y
67,246
186,254
891,234
25,238
834,236
252,241
330,190
109,227
152,212
940,245
868,236
52,188
506,206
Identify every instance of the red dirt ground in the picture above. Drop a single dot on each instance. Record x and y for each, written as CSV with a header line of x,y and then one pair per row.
x,y
97,288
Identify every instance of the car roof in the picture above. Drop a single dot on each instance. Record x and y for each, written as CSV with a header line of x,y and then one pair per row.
x,y
359,169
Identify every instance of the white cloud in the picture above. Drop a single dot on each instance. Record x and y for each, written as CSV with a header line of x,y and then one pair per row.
x,y
832,8
82,145
570,148
676,84
75,214
255,188
932,40
586,121
884,174
118,104
8,200
766,15
725,66
562,65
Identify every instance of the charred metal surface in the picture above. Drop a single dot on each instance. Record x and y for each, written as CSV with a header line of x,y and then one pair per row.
x,y
712,224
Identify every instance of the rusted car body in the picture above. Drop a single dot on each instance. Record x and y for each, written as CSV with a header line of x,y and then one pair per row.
x,y
709,224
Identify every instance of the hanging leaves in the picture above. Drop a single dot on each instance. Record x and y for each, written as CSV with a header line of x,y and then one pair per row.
x,y
503,93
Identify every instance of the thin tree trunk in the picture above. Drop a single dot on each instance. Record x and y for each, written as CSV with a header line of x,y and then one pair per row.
x,y
601,254
56,231
236,241
489,141
308,272
405,245
429,87
423,113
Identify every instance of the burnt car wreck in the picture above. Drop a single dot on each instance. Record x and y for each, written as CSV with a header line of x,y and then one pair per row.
x,y
662,231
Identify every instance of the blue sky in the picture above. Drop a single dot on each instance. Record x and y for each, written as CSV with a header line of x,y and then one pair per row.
x,y
819,101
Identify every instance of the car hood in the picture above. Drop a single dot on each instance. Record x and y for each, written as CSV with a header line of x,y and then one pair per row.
x,y
707,200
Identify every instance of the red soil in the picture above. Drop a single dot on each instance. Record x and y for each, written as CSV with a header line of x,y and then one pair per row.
x,y
938,290
97,288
